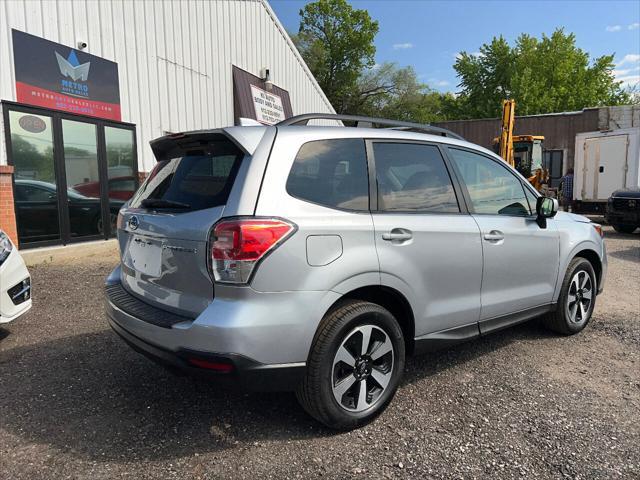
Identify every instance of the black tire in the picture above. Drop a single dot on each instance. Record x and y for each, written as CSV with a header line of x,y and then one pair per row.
x,y
620,228
560,321
316,392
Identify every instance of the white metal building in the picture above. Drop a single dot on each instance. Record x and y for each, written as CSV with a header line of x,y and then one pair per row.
x,y
176,68
174,57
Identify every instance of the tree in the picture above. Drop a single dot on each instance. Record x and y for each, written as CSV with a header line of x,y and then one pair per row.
x,y
543,76
391,92
336,41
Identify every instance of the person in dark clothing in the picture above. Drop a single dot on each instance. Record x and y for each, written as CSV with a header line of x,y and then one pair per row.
x,y
566,190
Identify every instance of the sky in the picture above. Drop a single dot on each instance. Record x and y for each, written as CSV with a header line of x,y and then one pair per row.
x,y
428,34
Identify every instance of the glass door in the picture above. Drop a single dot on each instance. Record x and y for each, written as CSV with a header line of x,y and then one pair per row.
x,y
35,177
122,171
71,174
83,203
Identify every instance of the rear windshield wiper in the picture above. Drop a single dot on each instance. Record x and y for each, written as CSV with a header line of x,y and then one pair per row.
x,y
160,203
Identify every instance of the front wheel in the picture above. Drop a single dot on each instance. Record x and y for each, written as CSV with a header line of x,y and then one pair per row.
x,y
577,299
354,367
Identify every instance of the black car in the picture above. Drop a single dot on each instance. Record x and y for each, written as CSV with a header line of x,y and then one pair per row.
x,y
623,210
36,204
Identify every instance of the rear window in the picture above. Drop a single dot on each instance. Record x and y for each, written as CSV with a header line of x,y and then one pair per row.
x,y
193,178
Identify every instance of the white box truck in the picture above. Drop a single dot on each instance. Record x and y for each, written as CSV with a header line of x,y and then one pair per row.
x,y
604,162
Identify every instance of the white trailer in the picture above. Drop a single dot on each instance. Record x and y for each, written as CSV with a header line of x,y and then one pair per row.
x,y
605,162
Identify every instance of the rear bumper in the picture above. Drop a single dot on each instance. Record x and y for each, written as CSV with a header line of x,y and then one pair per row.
x,y
265,336
245,373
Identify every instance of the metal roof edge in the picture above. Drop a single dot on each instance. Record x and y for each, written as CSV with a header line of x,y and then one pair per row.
x,y
553,114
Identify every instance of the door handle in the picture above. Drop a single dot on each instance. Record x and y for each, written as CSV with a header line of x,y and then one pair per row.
x,y
494,236
397,235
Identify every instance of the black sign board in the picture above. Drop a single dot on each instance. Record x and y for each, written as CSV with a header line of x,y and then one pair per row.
x,y
58,77
253,98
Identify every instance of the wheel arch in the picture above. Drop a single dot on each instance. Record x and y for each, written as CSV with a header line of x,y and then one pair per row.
x,y
590,250
392,300
594,259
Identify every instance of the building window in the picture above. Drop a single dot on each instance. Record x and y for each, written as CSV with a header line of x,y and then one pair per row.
x,y
553,162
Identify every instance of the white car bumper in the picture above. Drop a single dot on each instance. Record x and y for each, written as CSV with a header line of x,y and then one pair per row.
x,y
15,288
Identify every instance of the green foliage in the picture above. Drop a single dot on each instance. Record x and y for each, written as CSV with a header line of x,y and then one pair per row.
x,y
336,41
391,92
543,76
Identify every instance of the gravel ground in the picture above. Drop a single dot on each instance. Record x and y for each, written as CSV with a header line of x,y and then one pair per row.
x,y
75,402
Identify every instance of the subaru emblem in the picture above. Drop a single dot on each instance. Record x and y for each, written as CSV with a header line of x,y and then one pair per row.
x,y
134,223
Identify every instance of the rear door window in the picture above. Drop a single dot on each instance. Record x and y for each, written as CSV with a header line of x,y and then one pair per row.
x,y
191,178
413,178
332,173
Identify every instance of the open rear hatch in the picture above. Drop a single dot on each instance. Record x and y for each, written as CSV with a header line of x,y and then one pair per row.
x,y
164,231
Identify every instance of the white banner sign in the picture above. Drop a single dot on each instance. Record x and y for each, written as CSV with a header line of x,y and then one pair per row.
x,y
268,106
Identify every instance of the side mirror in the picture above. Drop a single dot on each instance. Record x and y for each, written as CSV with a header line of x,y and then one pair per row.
x,y
546,207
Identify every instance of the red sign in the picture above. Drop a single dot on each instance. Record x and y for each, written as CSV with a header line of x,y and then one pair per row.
x,y
56,101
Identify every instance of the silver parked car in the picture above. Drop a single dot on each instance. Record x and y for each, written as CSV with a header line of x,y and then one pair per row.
x,y
316,258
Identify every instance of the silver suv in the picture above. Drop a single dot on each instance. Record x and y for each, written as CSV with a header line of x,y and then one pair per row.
x,y
316,258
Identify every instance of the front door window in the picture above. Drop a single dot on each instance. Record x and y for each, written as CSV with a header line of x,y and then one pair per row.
x,y
493,189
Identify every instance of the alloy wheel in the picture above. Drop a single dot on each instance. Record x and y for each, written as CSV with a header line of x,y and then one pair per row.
x,y
579,297
362,368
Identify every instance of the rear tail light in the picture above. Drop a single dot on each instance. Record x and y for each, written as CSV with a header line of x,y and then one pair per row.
x,y
238,245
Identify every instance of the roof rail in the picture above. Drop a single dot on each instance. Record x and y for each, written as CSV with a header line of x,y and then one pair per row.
x,y
368,122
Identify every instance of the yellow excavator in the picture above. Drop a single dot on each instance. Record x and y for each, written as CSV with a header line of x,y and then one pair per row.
x,y
523,152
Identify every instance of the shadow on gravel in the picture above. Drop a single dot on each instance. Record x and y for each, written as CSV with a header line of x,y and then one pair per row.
x,y
631,254
429,364
622,236
4,333
91,395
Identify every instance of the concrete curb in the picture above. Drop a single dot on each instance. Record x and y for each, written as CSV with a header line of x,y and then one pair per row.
x,y
71,253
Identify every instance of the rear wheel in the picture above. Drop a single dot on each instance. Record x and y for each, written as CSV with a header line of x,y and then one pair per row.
x,y
623,228
577,299
355,366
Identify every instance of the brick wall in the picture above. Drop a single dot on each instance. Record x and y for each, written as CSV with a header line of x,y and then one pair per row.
x,y
7,212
